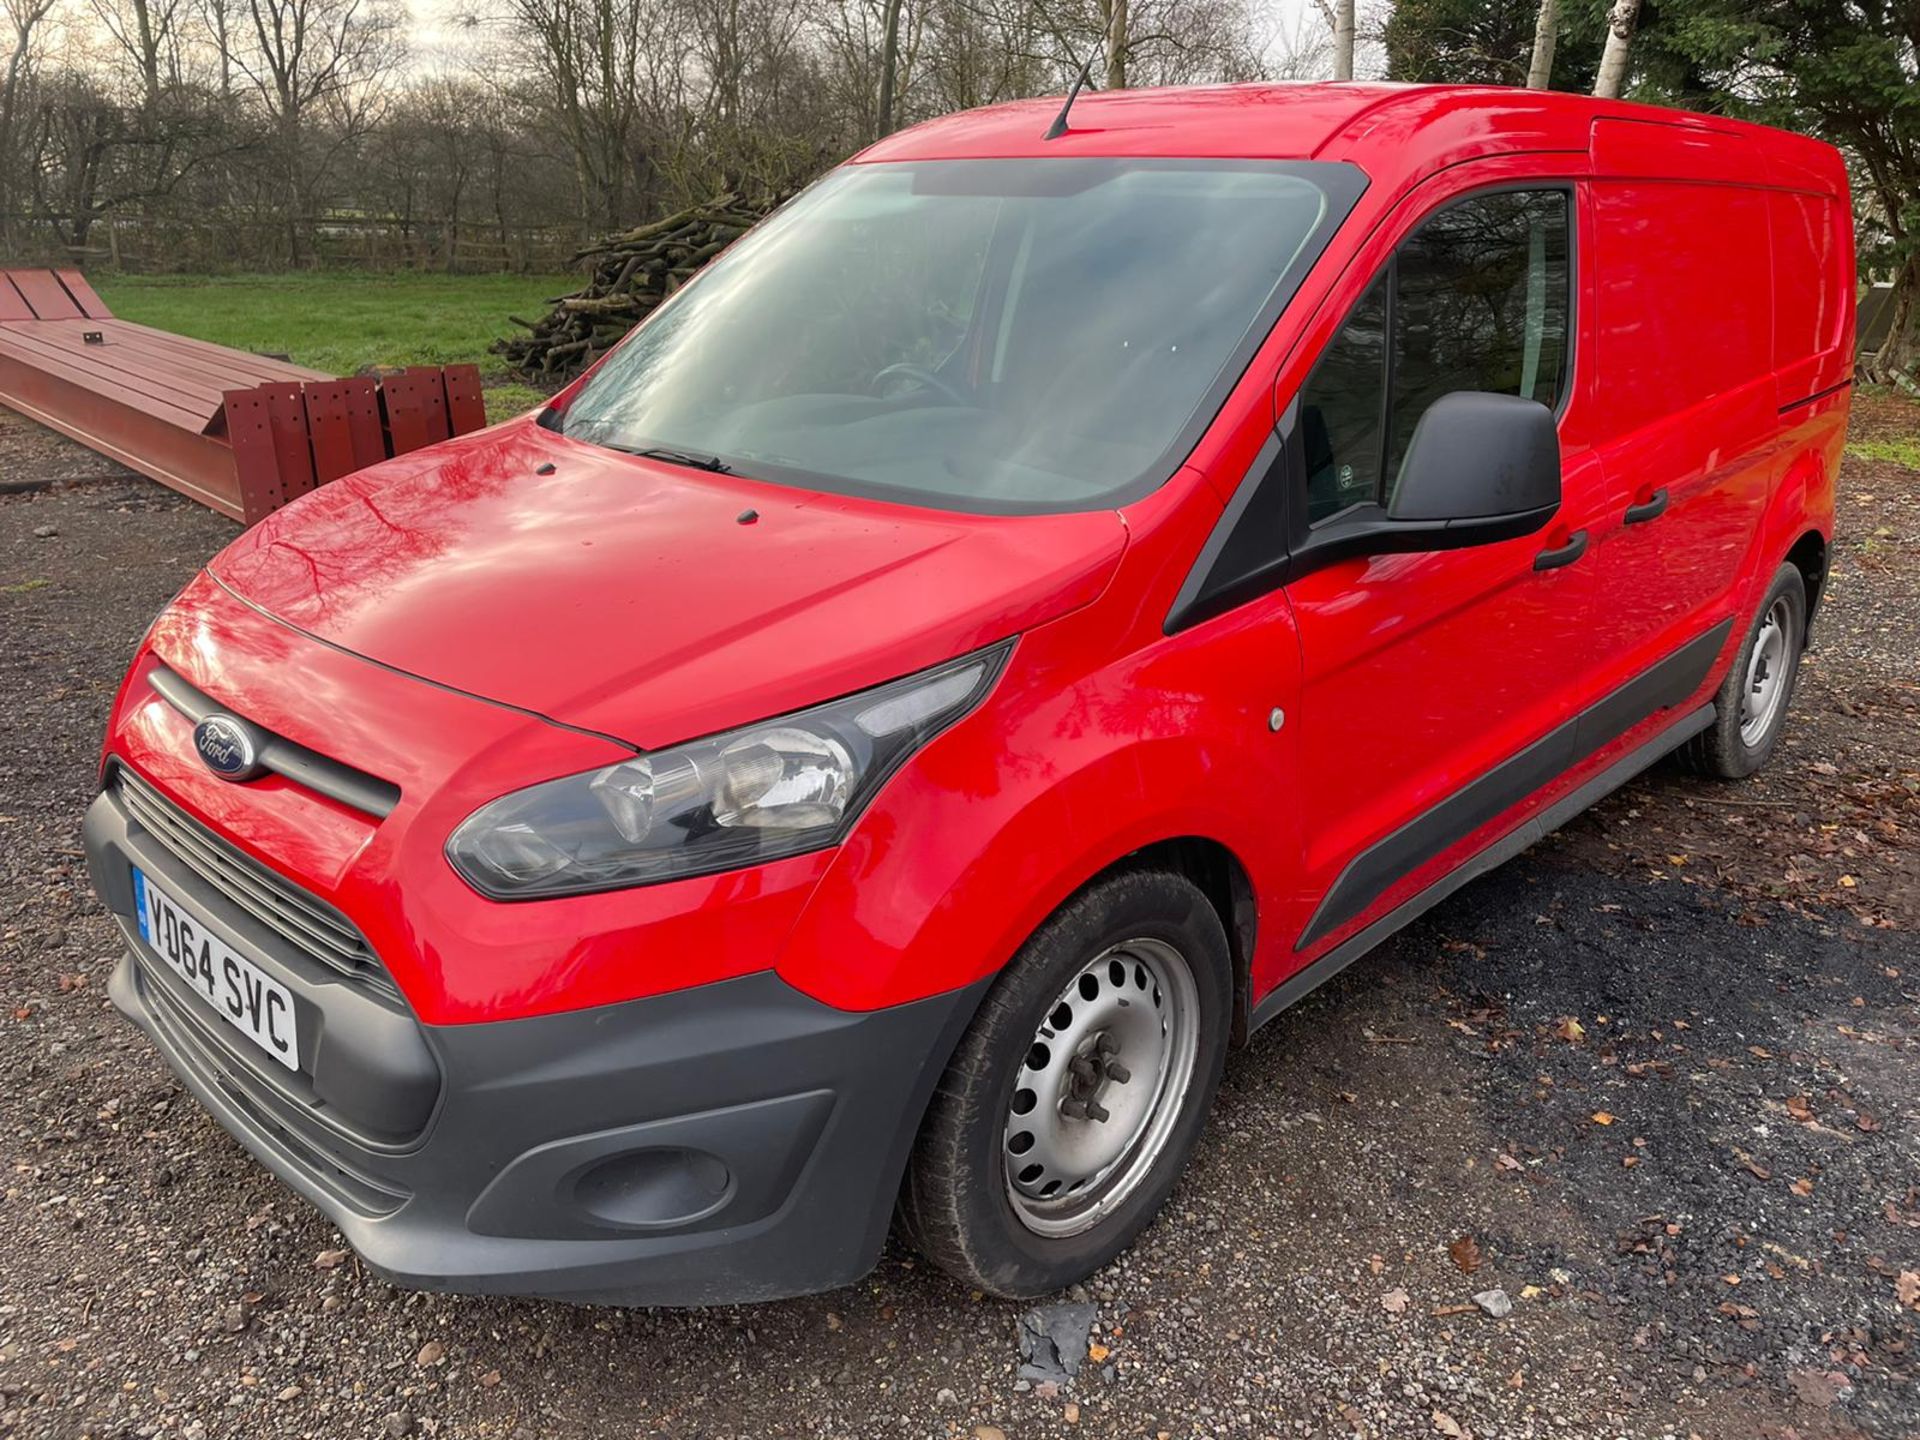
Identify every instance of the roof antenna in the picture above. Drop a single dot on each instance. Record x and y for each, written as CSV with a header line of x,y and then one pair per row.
x,y
1059,126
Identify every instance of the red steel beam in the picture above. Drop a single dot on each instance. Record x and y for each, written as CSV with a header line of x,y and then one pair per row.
x,y
433,400
75,284
404,399
199,466
330,431
466,405
202,418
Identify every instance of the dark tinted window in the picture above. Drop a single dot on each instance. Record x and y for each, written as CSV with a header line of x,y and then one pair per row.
x,y
1340,410
1480,303
1478,298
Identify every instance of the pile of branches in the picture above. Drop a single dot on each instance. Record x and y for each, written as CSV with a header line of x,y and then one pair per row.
x,y
632,272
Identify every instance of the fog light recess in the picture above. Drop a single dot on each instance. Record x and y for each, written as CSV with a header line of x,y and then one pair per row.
x,y
646,1189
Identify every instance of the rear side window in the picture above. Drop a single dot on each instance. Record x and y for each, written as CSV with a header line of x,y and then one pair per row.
x,y
1478,298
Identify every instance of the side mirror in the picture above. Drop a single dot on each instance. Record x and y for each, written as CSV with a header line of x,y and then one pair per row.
x,y
1485,467
1480,468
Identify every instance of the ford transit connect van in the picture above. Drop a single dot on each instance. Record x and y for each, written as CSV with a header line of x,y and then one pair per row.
x,y
1039,604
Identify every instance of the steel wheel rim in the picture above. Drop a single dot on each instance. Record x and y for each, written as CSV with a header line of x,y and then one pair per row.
x,y
1132,1011
1767,665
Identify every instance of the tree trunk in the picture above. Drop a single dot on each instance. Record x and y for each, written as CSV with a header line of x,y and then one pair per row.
x,y
1612,78
1546,33
1343,40
889,63
1117,43
149,44
1900,354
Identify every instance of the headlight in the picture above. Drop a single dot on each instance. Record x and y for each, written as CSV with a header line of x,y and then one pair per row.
x,y
760,793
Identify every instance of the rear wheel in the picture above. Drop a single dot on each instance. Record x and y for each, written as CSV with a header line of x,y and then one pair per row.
x,y
1075,1098
1752,702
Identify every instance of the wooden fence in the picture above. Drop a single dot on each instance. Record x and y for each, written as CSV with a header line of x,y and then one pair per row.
x,y
145,244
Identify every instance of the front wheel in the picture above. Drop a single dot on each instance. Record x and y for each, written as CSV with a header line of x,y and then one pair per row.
x,y
1074,1100
1751,706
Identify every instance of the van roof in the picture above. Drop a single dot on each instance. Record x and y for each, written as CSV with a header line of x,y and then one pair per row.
x,y
1397,127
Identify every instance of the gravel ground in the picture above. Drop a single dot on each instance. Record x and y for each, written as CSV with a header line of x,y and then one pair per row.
x,y
1660,1092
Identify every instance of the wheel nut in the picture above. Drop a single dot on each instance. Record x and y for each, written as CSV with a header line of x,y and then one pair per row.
x,y
1082,1067
1074,1109
1097,1111
1118,1073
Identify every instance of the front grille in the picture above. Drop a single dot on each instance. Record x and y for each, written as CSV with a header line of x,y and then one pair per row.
x,y
183,1036
308,924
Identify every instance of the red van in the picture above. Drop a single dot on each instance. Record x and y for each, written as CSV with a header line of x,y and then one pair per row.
x,y
1041,603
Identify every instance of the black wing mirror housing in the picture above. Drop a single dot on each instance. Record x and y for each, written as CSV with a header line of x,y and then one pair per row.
x,y
1481,462
1480,468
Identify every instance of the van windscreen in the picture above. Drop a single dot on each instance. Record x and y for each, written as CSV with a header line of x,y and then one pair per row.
x,y
992,335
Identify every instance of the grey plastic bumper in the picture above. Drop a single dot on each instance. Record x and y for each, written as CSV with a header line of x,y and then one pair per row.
x,y
737,1141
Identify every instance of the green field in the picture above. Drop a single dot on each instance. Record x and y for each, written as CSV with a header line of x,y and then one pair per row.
x,y
340,322
1900,449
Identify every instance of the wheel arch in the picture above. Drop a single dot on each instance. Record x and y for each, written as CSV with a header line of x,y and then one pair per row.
x,y
1218,872
1797,525
1811,555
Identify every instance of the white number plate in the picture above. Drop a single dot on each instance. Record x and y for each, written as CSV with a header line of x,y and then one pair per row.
x,y
246,997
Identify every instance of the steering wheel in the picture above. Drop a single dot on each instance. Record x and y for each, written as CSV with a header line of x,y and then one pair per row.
x,y
925,377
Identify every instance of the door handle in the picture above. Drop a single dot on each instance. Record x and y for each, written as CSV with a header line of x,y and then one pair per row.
x,y
1566,554
1650,508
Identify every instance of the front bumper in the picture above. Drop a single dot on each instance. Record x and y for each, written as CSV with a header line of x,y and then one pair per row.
x,y
730,1142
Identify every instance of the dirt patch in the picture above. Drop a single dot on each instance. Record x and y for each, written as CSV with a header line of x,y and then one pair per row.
x,y
31,457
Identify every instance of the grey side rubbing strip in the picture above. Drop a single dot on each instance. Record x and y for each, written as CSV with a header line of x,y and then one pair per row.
x,y
1369,874
366,793
1498,853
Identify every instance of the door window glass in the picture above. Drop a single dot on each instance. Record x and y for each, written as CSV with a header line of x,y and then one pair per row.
x,y
1478,298
1340,411
1480,302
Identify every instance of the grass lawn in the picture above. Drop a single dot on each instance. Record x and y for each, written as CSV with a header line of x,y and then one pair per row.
x,y
339,322
1899,449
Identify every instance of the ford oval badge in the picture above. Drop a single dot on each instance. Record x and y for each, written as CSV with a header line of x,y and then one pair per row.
x,y
226,747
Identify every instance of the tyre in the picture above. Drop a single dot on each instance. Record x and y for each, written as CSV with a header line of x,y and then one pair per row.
x,y
1752,702
1073,1101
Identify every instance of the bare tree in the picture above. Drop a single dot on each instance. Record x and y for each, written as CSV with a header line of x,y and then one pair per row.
x,y
217,16
983,51
148,32
1117,42
1338,15
889,66
1546,34
24,21
1298,48
588,56
1621,20
311,58
263,130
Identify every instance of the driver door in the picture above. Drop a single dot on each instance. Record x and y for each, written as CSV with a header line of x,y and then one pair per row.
x,y
1433,683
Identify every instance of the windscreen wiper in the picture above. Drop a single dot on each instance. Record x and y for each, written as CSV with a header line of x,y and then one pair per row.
x,y
678,457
